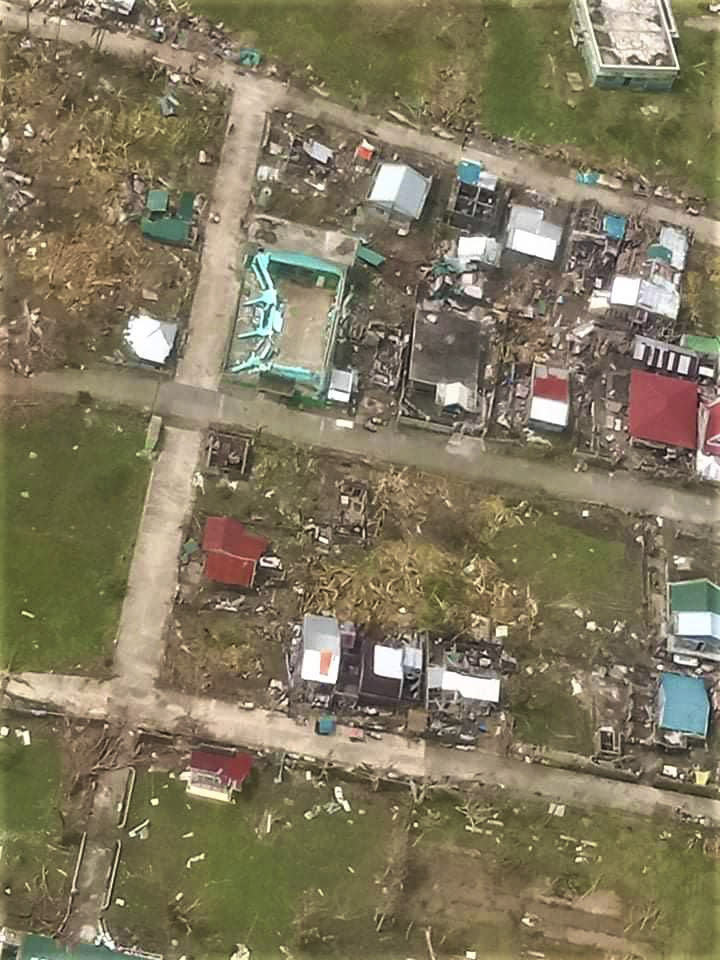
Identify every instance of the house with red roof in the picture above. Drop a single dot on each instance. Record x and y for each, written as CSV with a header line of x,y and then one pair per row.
x,y
217,776
549,398
663,410
231,552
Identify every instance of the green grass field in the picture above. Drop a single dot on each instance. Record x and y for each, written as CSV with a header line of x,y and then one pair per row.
x,y
33,865
514,69
264,890
72,494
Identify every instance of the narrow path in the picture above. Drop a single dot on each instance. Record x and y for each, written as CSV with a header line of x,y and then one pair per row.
x,y
153,573
176,713
468,458
522,168
218,287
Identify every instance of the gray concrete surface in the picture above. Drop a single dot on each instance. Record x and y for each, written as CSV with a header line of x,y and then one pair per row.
x,y
140,640
218,287
465,457
173,712
521,168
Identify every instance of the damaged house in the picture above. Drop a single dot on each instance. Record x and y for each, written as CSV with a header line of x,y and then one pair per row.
x,y
461,688
319,654
391,674
448,354
232,553
477,200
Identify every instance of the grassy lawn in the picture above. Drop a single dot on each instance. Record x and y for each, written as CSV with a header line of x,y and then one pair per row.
x,y
268,891
72,493
510,75
635,868
33,864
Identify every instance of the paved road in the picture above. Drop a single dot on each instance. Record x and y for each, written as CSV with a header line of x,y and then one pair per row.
x,y
468,458
218,288
223,722
149,599
517,167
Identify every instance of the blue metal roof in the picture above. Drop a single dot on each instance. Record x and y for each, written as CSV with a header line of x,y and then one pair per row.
x,y
614,225
685,707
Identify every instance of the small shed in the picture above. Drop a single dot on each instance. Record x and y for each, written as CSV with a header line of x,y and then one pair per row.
x,y
683,709
218,776
231,553
530,233
549,398
399,190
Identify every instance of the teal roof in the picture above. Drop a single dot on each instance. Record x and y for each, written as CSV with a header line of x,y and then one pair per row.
x,y
186,206
170,230
157,201
614,225
370,256
694,596
36,947
685,707
701,344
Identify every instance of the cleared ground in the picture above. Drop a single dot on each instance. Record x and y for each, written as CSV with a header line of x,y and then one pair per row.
x,y
72,494
503,65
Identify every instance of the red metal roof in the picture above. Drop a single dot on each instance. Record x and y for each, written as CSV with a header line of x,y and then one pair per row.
x,y
551,387
663,409
232,769
711,435
231,552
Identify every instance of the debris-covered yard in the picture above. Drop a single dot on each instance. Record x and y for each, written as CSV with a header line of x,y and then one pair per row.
x,y
499,69
73,492
39,826
84,138
285,868
564,584
290,869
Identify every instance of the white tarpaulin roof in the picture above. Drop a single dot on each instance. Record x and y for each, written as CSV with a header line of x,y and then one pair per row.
x,y
625,291
486,689
387,662
150,339
400,189
321,649
703,624
544,410
676,241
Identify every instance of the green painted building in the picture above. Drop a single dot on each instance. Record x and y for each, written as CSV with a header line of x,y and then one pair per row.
x,y
36,947
630,45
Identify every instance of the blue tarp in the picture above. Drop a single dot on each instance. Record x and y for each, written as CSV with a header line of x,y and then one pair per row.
x,y
469,172
685,707
588,177
614,225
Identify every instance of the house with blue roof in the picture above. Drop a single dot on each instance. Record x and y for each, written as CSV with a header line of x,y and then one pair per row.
x,y
683,711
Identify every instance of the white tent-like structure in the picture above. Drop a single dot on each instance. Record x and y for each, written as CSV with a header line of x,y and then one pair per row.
x,y
400,191
150,339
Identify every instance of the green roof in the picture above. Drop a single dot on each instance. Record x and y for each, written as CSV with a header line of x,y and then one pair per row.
x,y
685,704
186,206
157,201
170,230
694,596
701,344
35,947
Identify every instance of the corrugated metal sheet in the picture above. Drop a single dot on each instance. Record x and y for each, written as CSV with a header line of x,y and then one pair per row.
x,y
400,189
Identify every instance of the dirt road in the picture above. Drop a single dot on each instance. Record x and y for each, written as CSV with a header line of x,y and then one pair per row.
x,y
518,167
153,573
468,458
217,720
